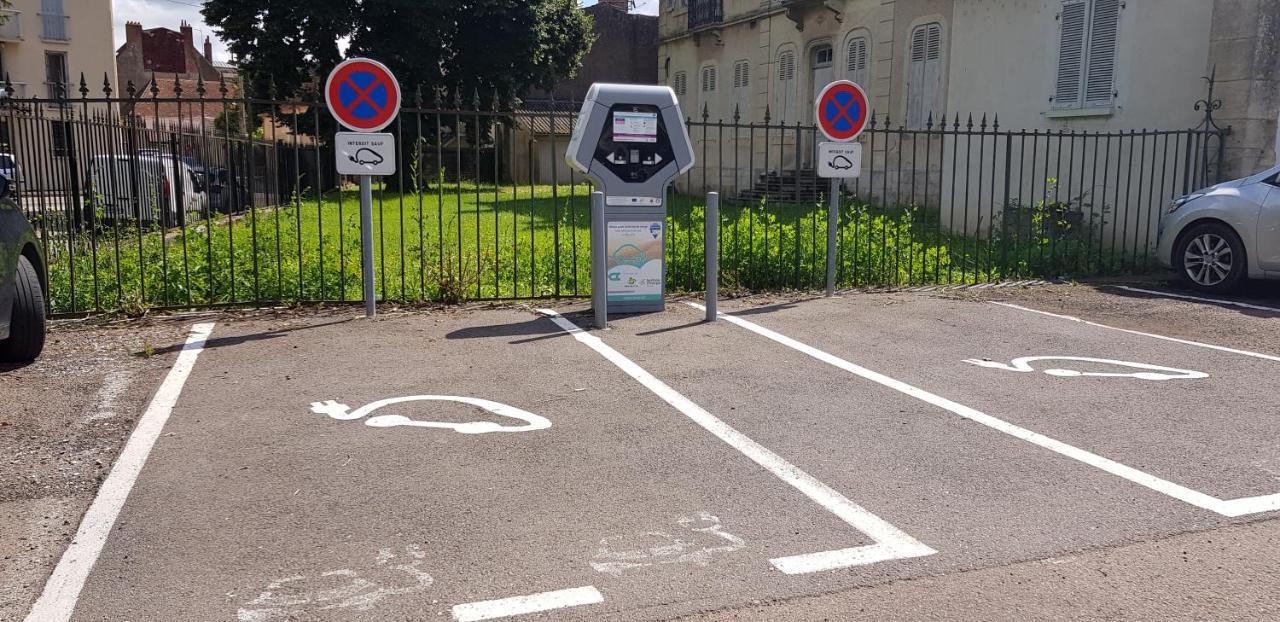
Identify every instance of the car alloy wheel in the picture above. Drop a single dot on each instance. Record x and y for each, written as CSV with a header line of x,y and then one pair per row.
x,y
1208,259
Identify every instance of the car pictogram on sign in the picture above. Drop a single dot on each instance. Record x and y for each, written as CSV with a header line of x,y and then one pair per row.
x,y
366,156
841,163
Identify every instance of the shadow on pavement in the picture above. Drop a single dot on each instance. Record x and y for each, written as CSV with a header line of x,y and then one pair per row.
x,y
222,342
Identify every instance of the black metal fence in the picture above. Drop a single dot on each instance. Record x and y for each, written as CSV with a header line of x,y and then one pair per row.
x,y
208,198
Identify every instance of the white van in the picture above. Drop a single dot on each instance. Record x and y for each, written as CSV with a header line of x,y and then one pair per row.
x,y
145,190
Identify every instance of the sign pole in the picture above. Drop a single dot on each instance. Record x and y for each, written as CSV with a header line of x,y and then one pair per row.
x,y
366,244
833,221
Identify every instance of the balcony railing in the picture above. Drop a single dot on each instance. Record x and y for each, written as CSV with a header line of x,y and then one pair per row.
x,y
53,27
704,13
11,29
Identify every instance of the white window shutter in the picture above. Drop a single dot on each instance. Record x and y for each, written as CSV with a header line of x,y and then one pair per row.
x,y
856,66
1069,85
931,96
1104,26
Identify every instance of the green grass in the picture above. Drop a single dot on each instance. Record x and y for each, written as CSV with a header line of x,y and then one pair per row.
x,y
481,242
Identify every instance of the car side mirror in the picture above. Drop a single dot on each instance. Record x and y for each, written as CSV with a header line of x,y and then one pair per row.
x,y
5,186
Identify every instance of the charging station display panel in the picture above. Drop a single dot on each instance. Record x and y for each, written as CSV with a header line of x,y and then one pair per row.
x,y
634,144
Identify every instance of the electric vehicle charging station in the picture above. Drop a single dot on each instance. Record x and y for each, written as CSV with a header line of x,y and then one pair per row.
x,y
631,140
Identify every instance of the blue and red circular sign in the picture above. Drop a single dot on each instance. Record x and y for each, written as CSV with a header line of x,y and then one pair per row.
x,y
362,94
842,110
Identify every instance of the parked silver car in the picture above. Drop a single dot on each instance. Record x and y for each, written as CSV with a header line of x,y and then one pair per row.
x,y
1216,237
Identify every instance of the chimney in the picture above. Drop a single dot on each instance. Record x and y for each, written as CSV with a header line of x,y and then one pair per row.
x,y
187,39
208,50
133,32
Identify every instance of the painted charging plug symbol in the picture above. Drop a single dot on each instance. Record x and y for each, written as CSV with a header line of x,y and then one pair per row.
x,y
342,412
1153,372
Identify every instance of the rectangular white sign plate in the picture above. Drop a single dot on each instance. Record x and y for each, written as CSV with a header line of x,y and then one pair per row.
x,y
839,160
365,153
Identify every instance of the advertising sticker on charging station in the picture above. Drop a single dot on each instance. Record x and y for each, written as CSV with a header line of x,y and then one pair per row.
x,y
635,260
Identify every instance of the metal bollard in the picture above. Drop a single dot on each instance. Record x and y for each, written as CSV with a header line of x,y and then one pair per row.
x,y
712,240
599,265
833,221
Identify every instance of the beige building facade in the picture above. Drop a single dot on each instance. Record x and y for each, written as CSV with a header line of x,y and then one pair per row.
x,y
45,46
1037,64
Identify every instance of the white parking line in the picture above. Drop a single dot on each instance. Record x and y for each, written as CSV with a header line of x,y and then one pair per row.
x,y
891,542
1215,301
1232,507
533,603
61,592
1136,332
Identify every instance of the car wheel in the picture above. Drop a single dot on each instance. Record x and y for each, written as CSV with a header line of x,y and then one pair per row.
x,y
26,324
1210,257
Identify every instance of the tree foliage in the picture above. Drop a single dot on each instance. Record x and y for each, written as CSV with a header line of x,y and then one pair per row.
x,y
459,47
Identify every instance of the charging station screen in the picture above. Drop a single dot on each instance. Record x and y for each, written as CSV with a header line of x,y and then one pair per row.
x,y
635,127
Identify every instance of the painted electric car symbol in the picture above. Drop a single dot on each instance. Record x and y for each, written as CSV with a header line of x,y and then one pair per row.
x,y
342,412
705,539
840,163
366,156
1153,372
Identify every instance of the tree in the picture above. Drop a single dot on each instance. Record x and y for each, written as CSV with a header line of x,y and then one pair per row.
x,y
460,47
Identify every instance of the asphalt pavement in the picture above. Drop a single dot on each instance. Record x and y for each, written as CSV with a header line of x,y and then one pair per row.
x,y
491,464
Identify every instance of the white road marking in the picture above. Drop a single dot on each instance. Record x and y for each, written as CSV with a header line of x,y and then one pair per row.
x,y
1154,372
533,603
1216,301
656,547
104,403
61,592
891,542
1140,333
1231,507
290,598
343,412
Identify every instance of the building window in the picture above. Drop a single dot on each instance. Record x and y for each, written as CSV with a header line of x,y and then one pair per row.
x,y
856,61
680,83
55,74
61,135
741,74
784,102
53,20
1087,33
709,79
924,76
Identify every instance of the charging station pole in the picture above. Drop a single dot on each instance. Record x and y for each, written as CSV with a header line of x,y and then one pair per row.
x,y
366,244
631,140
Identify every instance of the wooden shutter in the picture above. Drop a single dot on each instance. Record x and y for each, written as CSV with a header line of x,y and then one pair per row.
x,y
1104,25
856,67
924,75
678,83
786,81
1069,85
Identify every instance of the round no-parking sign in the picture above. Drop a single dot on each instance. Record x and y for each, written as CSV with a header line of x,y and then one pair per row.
x,y
362,94
841,110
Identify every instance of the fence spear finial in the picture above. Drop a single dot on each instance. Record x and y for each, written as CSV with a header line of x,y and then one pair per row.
x,y
177,86
928,122
736,115
130,89
200,86
106,84
995,125
766,114
222,85
983,125
84,87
